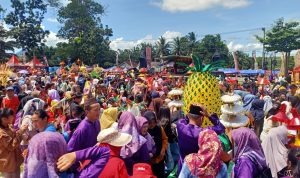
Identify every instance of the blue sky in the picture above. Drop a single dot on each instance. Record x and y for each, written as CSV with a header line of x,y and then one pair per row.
x,y
136,21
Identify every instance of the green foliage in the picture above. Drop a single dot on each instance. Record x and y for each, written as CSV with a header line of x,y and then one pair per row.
x,y
83,28
25,20
180,46
244,60
163,47
209,45
282,37
5,44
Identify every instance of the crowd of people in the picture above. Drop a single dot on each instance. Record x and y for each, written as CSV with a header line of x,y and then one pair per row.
x,y
56,126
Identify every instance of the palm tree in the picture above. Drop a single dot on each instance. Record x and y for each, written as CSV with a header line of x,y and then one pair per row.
x,y
177,46
192,42
163,47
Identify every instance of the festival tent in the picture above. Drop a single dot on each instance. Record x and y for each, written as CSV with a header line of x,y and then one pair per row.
x,y
251,72
13,61
35,62
229,71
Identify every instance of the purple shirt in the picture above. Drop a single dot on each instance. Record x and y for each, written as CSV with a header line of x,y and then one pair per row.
x,y
245,168
99,157
43,151
141,156
84,136
188,136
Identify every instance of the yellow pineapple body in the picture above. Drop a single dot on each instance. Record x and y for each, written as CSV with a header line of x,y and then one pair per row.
x,y
203,88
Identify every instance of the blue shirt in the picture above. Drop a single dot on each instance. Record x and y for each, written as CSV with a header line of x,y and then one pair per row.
x,y
50,128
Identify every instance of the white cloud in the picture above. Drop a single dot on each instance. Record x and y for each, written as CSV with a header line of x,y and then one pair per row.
x,y
170,35
232,46
199,5
52,20
120,43
52,39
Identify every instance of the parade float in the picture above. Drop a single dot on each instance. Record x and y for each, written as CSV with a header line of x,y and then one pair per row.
x,y
202,87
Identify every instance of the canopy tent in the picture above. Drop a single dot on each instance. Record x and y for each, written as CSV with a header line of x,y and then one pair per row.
x,y
35,62
13,61
229,71
251,72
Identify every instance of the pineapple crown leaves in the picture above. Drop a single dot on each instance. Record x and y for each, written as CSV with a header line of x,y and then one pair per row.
x,y
199,67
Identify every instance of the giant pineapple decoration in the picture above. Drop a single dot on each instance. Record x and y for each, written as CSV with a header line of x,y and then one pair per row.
x,y
202,87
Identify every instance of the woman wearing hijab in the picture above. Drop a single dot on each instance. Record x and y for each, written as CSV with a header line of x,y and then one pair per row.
x,y
207,162
164,116
143,126
275,150
161,142
108,117
249,158
268,104
268,122
248,99
135,151
258,115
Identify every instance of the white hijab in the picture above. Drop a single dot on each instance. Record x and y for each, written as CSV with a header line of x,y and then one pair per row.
x,y
275,150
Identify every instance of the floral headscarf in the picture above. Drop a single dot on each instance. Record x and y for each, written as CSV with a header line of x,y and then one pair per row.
x,y
207,162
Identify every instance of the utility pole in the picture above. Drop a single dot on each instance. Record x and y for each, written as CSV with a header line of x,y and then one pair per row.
x,y
263,53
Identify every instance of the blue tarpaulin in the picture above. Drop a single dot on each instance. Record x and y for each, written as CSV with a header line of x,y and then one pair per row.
x,y
53,69
251,72
228,71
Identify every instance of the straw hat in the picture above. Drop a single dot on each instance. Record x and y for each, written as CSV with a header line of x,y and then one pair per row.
x,y
113,137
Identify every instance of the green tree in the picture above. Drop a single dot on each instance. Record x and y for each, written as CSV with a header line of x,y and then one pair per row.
x,y
26,23
82,26
211,45
180,46
5,44
283,37
245,61
162,47
192,42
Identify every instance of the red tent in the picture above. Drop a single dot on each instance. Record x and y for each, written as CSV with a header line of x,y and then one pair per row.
x,y
35,62
13,61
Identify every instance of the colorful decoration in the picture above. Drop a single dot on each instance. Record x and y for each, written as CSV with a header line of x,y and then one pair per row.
x,y
202,87
5,72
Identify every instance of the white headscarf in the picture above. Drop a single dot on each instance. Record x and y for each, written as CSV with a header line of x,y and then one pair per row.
x,y
275,150
268,104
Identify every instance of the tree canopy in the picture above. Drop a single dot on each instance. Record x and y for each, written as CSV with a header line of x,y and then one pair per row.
x,y
282,37
83,28
25,22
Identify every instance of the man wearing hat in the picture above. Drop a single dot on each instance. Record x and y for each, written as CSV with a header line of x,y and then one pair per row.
x,y
10,100
189,128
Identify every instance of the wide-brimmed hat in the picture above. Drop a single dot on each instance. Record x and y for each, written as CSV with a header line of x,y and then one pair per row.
x,y
113,137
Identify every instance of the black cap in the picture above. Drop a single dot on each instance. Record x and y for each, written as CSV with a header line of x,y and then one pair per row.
x,y
196,110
